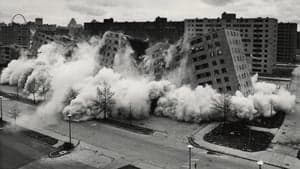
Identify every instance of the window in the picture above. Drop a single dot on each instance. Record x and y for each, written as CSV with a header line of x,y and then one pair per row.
x,y
219,81
216,72
215,35
217,43
202,57
222,61
224,70
214,63
228,88
207,37
196,41
209,82
226,79
207,74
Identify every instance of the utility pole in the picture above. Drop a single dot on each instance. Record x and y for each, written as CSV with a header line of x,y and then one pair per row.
x,y
271,108
1,108
190,156
17,92
70,137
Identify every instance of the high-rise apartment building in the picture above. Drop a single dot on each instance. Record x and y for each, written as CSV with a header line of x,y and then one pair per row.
x,y
218,59
287,42
259,36
17,34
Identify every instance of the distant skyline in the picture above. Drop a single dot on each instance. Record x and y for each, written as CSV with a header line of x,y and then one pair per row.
x,y
61,11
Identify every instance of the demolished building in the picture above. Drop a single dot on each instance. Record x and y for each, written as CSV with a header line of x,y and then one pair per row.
x,y
218,59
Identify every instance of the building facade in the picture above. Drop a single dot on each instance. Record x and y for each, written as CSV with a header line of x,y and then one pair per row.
x,y
116,42
8,53
259,37
155,62
287,42
218,59
15,34
159,30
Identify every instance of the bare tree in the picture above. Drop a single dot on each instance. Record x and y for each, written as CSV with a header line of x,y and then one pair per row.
x,y
104,100
32,88
71,95
222,106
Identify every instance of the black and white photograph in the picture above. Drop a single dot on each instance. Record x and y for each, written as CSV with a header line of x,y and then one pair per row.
x,y
149,84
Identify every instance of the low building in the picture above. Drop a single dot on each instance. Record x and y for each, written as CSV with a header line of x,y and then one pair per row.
x,y
218,59
159,30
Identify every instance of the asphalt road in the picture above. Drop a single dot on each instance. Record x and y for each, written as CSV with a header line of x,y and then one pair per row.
x,y
17,150
146,148
162,152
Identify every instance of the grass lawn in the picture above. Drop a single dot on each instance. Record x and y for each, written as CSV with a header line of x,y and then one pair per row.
x,y
239,136
268,122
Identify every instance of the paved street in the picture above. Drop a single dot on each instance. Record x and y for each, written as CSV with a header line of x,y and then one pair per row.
x,y
163,152
17,150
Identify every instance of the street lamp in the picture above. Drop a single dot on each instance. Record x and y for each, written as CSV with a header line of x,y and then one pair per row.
x,y
190,155
70,138
1,108
260,163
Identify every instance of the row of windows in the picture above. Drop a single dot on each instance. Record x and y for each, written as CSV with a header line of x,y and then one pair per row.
x,y
202,66
243,76
228,88
203,75
242,66
235,41
217,72
219,80
239,58
232,33
259,65
206,65
259,70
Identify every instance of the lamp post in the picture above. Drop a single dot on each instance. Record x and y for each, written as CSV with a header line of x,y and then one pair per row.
x,y
1,108
70,137
260,163
190,156
17,92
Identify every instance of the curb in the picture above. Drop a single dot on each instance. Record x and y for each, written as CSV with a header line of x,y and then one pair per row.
x,y
191,141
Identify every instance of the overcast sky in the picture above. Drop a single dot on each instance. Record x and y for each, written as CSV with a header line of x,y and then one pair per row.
x,y
61,11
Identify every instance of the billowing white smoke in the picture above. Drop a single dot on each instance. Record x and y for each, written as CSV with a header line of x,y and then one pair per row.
x,y
186,104
296,72
72,86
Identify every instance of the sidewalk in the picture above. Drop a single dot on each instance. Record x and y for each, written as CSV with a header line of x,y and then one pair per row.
x,y
269,157
282,152
85,156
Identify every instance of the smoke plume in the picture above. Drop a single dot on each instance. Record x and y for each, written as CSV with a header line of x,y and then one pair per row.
x,y
71,85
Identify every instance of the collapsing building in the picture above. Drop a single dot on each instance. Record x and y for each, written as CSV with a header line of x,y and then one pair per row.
x,y
115,42
218,59
44,37
215,59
